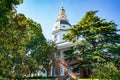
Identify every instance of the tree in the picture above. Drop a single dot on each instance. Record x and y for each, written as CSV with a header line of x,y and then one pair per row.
x,y
13,51
5,8
15,32
23,47
107,71
43,54
99,41
47,58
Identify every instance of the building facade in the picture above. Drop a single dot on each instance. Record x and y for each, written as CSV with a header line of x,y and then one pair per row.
x,y
61,68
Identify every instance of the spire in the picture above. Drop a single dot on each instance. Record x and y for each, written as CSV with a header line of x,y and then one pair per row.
x,y
61,3
62,14
62,11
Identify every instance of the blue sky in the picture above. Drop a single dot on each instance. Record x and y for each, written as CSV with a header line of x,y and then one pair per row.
x,y
45,12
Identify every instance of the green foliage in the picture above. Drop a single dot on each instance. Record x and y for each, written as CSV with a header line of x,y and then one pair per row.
x,y
43,55
99,41
105,71
39,48
20,37
5,8
12,39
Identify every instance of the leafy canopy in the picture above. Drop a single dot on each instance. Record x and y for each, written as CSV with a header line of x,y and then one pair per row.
x,y
23,47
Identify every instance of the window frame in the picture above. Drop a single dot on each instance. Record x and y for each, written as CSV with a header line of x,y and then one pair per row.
x,y
62,71
62,54
69,70
55,71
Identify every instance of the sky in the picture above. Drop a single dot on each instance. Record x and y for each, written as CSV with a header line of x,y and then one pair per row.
x,y
46,12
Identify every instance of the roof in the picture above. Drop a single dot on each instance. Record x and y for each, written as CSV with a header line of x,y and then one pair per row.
x,y
65,22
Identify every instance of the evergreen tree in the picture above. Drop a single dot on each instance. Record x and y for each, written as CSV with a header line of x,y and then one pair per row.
x,y
99,41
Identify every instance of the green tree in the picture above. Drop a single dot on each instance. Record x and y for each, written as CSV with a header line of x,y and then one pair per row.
x,y
107,71
34,47
13,50
48,49
5,8
98,39
15,32
43,54
23,47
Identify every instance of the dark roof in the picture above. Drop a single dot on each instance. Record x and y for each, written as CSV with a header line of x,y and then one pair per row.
x,y
65,22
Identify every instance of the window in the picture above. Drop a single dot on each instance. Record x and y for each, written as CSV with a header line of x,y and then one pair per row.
x,y
63,36
62,71
62,54
63,26
55,71
55,38
77,66
55,55
69,70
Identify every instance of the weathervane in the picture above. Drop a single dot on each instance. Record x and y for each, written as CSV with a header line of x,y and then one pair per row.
x,y
62,3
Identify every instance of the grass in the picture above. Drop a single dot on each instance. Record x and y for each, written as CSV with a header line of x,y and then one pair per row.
x,y
85,79
39,79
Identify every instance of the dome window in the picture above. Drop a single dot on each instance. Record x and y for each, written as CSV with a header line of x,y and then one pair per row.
x,y
64,26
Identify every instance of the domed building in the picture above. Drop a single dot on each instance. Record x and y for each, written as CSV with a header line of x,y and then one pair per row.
x,y
61,68
60,27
